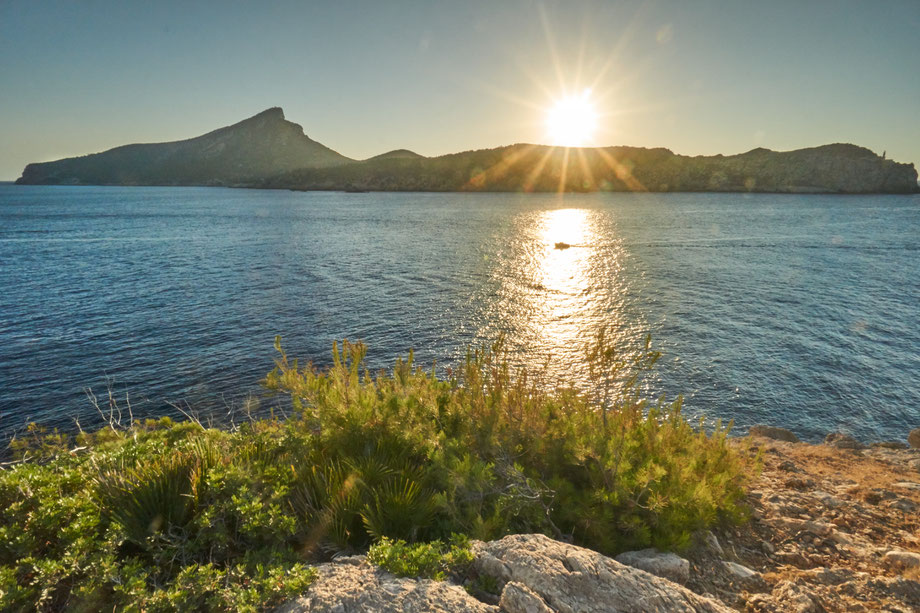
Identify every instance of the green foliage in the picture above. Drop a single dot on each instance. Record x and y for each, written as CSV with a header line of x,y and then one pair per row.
x,y
499,451
163,517
434,560
171,516
156,498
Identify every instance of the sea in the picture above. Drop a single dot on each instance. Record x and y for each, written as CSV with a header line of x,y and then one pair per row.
x,y
800,311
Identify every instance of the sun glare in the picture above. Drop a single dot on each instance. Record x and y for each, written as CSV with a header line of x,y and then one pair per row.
x,y
571,122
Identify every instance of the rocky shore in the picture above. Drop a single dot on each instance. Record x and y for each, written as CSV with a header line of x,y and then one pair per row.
x,y
834,527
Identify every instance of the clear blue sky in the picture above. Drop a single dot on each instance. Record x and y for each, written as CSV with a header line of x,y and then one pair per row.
x,y
438,77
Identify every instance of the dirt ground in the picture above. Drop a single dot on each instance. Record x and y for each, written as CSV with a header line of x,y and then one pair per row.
x,y
833,529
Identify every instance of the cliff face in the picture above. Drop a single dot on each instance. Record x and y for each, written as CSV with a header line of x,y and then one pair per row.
x,y
831,169
260,146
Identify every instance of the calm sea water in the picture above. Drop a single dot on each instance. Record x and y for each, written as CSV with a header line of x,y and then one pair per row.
x,y
799,311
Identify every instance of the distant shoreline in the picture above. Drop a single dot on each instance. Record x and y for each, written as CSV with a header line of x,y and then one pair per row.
x,y
267,151
429,191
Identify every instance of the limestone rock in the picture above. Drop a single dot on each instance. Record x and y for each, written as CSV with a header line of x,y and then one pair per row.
x,y
830,576
896,445
742,573
713,544
667,565
842,441
793,597
778,434
518,598
902,559
905,504
828,500
569,578
907,590
913,439
354,588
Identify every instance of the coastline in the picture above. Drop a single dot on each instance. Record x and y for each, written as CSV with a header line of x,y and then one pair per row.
x,y
373,190
831,526
832,529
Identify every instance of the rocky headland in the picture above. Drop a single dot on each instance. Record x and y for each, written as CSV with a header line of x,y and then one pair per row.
x,y
263,145
267,151
834,527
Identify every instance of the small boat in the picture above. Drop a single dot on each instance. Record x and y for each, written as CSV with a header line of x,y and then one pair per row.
x,y
562,245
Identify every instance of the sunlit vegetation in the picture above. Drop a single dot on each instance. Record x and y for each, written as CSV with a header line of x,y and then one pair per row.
x,y
432,560
175,516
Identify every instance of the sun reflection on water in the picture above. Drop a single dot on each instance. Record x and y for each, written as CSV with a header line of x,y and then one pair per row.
x,y
563,274
549,302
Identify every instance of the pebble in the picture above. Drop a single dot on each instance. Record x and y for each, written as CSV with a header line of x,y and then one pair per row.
x,y
713,543
831,502
913,439
842,441
905,504
741,572
778,434
667,565
902,559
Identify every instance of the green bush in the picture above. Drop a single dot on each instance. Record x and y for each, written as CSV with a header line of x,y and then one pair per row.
x,y
500,451
172,516
434,560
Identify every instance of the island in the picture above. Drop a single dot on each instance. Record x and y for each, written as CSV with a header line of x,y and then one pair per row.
x,y
268,151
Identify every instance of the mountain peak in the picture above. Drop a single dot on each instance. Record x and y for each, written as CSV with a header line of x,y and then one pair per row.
x,y
276,112
256,148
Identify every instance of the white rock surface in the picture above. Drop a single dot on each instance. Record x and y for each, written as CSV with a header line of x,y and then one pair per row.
x,y
569,579
741,572
518,598
667,565
902,559
535,574
354,588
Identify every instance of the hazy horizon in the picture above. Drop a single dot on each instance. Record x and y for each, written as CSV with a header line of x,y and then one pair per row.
x,y
437,78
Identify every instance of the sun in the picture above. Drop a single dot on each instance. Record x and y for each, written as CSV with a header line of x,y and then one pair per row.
x,y
571,122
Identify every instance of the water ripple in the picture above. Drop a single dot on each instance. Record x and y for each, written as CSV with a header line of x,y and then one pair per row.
x,y
800,311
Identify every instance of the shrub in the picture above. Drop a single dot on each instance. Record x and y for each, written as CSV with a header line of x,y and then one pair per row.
x,y
155,519
434,560
173,516
504,452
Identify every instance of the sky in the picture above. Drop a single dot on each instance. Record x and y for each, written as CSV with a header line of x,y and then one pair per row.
x,y
698,77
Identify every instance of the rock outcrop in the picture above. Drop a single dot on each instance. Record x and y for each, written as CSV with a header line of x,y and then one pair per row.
x,y
913,438
659,563
261,146
779,434
353,586
568,578
533,574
